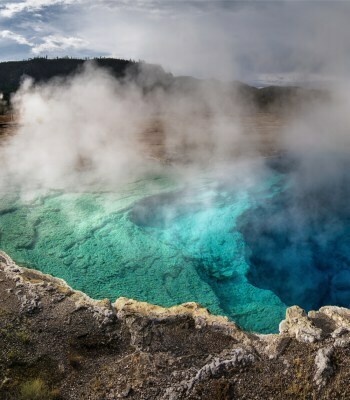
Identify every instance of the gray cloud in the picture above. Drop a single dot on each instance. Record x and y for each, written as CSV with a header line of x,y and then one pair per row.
x,y
8,35
9,9
55,42
222,39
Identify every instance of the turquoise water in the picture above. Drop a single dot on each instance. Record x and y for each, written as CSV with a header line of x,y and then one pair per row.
x,y
242,244
155,240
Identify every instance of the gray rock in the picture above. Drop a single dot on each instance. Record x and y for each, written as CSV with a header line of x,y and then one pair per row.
x,y
239,358
299,325
324,365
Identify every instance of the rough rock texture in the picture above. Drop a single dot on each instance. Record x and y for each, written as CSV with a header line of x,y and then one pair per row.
x,y
57,343
299,325
324,366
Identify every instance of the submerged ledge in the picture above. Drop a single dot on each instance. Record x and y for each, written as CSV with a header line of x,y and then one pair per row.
x,y
81,348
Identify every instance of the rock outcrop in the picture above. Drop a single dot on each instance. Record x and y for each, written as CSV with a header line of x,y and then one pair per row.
x,y
299,325
58,343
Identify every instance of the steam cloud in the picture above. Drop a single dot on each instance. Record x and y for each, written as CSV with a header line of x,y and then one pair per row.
x,y
91,129
75,131
302,236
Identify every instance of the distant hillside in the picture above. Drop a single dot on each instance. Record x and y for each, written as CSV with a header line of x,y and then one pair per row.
x,y
43,69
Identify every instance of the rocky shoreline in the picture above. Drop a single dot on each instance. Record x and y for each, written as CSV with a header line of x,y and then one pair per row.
x,y
58,343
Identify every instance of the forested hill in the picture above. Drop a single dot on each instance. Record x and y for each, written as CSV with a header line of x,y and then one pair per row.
x,y
43,69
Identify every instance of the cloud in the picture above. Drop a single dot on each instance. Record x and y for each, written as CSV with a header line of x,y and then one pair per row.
x,y
225,40
219,39
47,44
15,37
10,9
55,42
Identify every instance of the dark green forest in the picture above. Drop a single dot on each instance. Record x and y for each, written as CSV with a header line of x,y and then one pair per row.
x,y
43,69
147,76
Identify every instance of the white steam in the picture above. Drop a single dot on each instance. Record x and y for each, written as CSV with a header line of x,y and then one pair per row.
x,y
81,130
91,129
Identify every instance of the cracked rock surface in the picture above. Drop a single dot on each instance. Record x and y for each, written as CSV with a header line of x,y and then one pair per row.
x,y
57,343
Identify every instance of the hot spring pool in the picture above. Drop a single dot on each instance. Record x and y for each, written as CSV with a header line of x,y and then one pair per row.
x,y
221,242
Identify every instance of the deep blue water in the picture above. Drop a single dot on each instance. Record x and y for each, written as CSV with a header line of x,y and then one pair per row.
x,y
299,240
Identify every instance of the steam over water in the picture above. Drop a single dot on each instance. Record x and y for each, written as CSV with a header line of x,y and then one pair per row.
x,y
166,243
84,200
246,248
299,240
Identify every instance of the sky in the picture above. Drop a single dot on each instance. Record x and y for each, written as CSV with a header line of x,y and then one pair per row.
x,y
247,40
